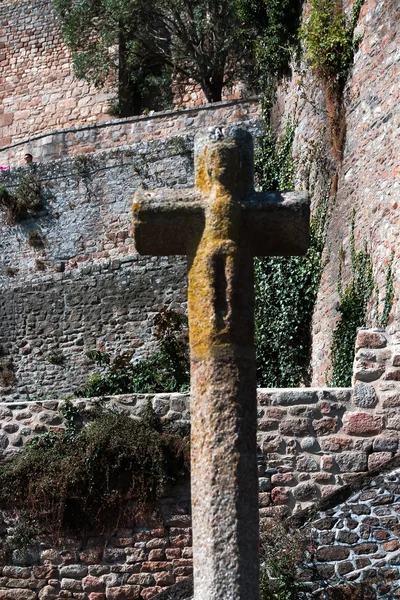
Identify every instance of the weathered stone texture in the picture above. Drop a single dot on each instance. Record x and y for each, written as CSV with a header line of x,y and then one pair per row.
x,y
356,542
368,178
39,91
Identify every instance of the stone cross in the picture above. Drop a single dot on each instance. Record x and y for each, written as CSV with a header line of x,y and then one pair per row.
x,y
221,224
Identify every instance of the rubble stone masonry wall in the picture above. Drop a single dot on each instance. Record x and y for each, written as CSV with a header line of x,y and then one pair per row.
x,y
89,138
38,91
83,285
369,174
313,444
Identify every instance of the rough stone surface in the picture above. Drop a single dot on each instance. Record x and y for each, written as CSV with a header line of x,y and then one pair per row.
x,y
232,224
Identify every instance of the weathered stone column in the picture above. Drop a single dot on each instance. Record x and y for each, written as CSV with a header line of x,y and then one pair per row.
x,y
221,224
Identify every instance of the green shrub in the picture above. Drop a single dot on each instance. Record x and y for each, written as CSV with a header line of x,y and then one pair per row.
x,y
25,201
86,479
282,552
328,36
167,369
35,240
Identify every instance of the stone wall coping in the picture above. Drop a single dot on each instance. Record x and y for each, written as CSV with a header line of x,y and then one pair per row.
x,y
128,398
134,119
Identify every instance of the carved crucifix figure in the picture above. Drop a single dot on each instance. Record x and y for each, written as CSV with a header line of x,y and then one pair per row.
x,y
220,225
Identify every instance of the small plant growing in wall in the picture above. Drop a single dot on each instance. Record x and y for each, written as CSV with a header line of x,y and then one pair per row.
x,y
56,358
282,552
24,201
389,293
35,240
40,265
330,44
7,374
10,271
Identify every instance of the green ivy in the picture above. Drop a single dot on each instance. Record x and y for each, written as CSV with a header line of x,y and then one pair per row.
x,y
389,295
286,288
353,307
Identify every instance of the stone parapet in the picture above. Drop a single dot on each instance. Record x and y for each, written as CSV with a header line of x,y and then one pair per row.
x,y
92,137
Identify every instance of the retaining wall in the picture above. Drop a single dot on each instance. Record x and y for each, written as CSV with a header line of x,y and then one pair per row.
x,y
84,286
368,174
56,142
314,445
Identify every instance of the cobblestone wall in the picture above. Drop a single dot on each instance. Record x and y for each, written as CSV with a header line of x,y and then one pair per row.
x,y
133,563
355,539
324,442
84,285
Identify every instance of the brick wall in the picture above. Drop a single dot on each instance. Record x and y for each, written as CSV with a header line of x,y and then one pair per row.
x,y
38,91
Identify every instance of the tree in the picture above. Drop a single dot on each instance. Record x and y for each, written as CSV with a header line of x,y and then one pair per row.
x,y
146,45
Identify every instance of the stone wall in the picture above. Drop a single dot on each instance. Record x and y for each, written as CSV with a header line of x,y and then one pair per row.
x,y
368,175
354,537
56,142
311,441
83,286
135,562
314,446
39,92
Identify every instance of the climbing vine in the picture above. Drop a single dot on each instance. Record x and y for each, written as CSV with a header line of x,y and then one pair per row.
x,y
353,308
286,288
389,294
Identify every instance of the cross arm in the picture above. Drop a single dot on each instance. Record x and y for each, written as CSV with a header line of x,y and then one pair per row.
x,y
275,223
165,222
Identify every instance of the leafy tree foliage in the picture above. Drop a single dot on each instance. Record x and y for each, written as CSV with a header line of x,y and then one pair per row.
x,y
146,45
269,29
